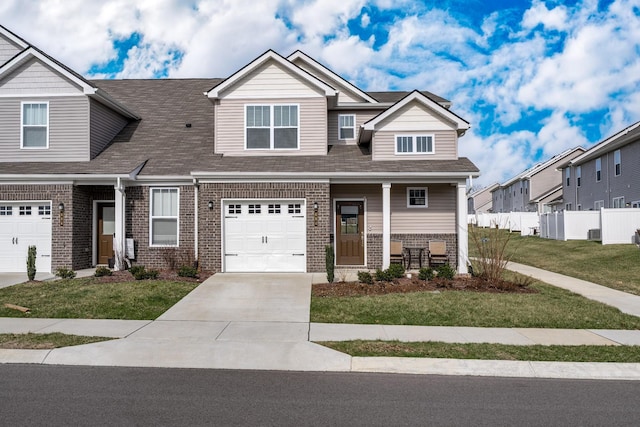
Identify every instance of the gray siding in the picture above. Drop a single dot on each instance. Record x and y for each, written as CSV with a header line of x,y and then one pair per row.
x,y
34,76
7,50
362,116
68,131
230,128
445,146
105,125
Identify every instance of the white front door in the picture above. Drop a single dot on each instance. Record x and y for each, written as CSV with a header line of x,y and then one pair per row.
x,y
24,224
264,236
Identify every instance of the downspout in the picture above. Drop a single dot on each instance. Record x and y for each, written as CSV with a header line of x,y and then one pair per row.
x,y
196,196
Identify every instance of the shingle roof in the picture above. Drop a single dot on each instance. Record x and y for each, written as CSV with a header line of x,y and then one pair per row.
x,y
397,96
169,147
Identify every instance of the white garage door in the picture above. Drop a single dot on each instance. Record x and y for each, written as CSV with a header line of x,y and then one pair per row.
x,y
23,224
265,236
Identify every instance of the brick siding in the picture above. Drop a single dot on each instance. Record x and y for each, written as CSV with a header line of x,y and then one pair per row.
x,y
374,247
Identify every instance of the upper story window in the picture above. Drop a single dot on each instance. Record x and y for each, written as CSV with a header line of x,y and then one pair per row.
x,y
598,169
35,125
616,162
417,197
271,127
163,220
346,126
414,144
567,173
578,176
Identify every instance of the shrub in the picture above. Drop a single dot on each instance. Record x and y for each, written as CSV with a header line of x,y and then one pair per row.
x,y
383,275
102,271
426,273
187,271
365,277
446,272
396,271
31,262
491,246
141,273
65,273
330,262
136,269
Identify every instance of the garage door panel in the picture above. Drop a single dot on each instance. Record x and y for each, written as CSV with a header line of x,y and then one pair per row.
x,y
18,232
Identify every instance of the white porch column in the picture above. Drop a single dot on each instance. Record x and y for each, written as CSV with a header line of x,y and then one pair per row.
x,y
118,238
463,230
386,225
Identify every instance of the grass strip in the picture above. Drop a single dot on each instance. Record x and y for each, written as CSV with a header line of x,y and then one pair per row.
x,y
87,298
551,307
557,353
33,341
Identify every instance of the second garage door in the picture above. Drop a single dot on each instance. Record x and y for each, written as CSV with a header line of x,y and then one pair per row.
x,y
264,236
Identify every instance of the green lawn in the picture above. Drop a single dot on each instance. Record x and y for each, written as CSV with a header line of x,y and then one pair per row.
x,y
87,298
614,266
582,353
550,308
45,341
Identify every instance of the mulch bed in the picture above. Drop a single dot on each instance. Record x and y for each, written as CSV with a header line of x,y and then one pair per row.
x,y
405,285
125,276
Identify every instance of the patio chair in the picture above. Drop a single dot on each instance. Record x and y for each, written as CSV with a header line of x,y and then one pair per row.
x,y
438,252
397,252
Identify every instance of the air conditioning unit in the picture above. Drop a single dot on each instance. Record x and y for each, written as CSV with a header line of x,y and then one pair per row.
x,y
594,234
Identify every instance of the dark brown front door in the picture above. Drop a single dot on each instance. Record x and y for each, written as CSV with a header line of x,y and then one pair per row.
x,y
106,228
350,233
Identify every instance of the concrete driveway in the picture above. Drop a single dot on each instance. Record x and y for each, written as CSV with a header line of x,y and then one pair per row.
x,y
10,279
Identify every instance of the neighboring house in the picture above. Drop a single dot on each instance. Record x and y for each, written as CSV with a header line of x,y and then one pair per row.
x,y
605,176
257,172
481,201
536,189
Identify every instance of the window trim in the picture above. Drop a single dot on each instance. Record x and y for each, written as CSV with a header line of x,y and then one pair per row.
x,y
414,146
619,199
22,125
578,176
152,217
617,164
599,169
598,202
340,138
567,175
272,126
426,198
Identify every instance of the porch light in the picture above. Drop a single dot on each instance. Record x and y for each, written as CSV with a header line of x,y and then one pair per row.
x,y
315,214
61,210
315,206
61,207
210,205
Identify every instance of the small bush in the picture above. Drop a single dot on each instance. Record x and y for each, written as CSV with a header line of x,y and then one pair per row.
x,y
426,273
396,271
383,275
446,272
365,277
187,271
152,274
140,273
102,271
330,262
31,262
136,269
65,273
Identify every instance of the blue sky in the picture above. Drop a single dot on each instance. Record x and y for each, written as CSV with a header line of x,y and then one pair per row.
x,y
532,77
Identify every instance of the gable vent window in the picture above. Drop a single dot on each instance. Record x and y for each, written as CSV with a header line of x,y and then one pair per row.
x,y
272,127
346,126
414,144
35,125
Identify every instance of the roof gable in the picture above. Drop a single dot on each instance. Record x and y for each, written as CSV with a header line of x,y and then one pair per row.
x,y
453,119
314,67
269,57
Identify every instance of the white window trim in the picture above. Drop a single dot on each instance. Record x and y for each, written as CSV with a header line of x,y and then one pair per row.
x,y
598,202
578,176
598,160
618,199
426,198
617,163
151,218
346,127
414,147
271,126
22,104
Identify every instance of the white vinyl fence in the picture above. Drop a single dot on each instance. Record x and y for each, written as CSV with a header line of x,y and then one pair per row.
x,y
611,226
524,222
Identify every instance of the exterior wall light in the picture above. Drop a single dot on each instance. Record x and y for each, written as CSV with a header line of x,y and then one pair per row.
x,y
210,205
315,214
61,210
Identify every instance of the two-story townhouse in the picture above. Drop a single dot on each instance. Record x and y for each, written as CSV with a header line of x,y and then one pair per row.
x,y
535,189
481,201
256,172
605,176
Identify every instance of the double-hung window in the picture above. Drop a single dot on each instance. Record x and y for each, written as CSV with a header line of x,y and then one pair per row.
x,y
578,175
616,162
417,197
414,144
163,220
346,126
568,176
35,125
271,127
598,169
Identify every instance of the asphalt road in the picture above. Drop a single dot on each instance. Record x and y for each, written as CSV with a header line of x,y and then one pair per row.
x,y
62,395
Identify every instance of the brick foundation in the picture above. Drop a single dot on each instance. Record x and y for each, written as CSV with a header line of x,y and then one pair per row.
x,y
374,247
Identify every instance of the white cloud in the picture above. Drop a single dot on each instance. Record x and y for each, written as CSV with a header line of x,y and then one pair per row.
x,y
554,19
